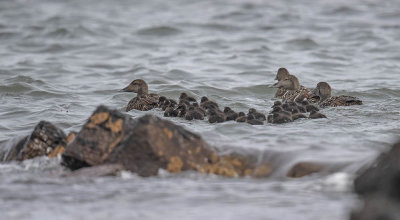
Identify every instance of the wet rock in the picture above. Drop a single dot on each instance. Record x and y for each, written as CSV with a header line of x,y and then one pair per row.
x,y
43,141
377,208
382,176
304,168
147,144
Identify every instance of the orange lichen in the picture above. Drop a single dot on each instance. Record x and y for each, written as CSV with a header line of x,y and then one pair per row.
x,y
111,147
168,133
97,118
116,126
71,137
175,165
57,151
197,150
160,153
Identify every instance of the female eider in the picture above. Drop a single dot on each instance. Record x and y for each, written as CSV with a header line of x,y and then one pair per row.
x,y
143,101
293,89
282,74
324,91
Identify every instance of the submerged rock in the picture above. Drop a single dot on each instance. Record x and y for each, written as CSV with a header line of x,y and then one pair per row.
x,y
147,144
304,168
46,139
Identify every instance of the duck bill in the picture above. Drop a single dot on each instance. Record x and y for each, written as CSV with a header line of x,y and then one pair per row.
x,y
126,89
276,85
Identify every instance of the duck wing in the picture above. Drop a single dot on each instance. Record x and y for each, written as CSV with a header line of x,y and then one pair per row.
x,y
142,103
341,101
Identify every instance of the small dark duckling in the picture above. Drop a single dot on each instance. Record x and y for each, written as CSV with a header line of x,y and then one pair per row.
x,y
182,108
257,115
298,115
197,107
253,121
161,101
215,116
310,108
290,108
241,117
230,114
185,98
315,115
193,113
171,112
324,92
207,104
279,118
143,101
281,75
277,103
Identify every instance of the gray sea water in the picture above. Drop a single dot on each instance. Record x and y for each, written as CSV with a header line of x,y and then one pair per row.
x,y
61,59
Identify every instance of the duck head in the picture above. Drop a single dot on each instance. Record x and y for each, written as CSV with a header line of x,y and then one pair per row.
x,y
282,74
290,82
323,91
138,86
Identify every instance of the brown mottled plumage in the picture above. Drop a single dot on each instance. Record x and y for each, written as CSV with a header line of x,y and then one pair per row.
x,y
143,101
324,91
281,75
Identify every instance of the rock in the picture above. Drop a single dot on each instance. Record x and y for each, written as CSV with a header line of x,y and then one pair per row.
x,y
43,141
97,171
377,208
382,176
304,168
147,144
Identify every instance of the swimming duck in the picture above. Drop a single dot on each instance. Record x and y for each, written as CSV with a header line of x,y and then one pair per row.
x,y
187,99
293,89
143,101
253,121
276,103
324,92
241,117
315,115
171,112
215,116
207,104
230,114
257,115
279,118
281,75
193,113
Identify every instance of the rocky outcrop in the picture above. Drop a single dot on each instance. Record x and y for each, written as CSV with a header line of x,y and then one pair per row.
x,y
378,186
147,144
304,168
45,140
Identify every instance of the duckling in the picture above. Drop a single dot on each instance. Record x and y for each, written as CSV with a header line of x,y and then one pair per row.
x,y
161,101
296,115
230,114
310,108
279,118
182,108
171,112
277,103
315,115
281,75
256,115
185,98
253,121
324,92
193,113
292,85
198,108
215,116
241,117
289,107
207,104
143,101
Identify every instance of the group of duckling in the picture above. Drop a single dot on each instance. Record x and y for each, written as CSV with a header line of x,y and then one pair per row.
x,y
296,101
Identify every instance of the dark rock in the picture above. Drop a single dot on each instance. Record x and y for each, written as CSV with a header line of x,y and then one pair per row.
x,y
44,139
147,144
304,168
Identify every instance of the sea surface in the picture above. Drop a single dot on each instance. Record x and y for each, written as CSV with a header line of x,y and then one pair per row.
x,y
60,59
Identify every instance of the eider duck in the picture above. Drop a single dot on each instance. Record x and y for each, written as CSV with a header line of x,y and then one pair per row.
x,y
324,92
194,113
282,74
143,101
253,121
230,114
207,104
241,117
257,115
216,116
315,115
293,89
